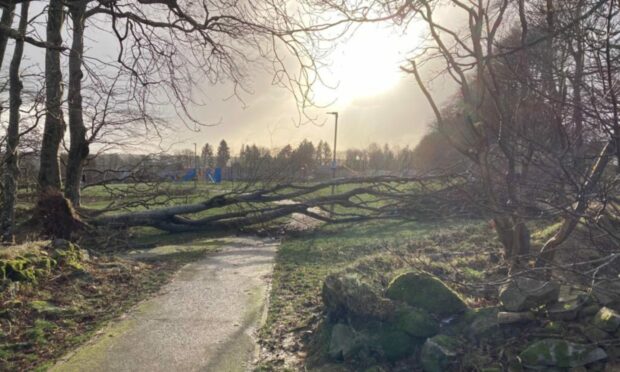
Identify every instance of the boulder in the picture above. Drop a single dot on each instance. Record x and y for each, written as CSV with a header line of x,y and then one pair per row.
x,y
567,310
505,317
346,294
607,319
479,324
439,353
525,293
560,353
415,322
344,342
607,292
427,292
68,254
394,344
589,310
594,334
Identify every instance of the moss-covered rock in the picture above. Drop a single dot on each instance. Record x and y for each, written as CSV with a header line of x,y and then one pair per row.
x,y
67,254
607,319
347,294
440,353
427,292
480,324
566,310
415,322
344,342
394,344
522,294
560,353
18,269
26,266
595,334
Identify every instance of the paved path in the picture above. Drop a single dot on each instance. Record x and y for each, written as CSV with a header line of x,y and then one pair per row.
x,y
204,320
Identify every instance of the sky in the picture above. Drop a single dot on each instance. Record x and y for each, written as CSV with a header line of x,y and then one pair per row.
x,y
375,100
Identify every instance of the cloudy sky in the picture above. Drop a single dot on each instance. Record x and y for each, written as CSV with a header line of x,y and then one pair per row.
x,y
376,101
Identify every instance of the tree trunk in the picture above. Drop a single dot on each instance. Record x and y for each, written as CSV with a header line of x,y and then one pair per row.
x,y
49,171
78,148
547,253
5,20
11,167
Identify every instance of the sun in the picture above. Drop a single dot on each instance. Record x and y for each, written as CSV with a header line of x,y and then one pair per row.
x,y
365,65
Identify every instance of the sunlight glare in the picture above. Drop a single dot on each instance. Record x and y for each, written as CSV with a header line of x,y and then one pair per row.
x,y
367,64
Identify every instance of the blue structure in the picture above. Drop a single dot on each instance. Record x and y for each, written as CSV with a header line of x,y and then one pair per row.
x,y
189,176
214,175
217,176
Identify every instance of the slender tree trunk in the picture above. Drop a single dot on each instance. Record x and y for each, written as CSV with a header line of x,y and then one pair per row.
x,y
547,253
5,20
11,167
78,148
49,171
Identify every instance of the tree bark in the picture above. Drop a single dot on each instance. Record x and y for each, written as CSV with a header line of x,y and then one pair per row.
x,y
5,20
78,148
11,167
49,171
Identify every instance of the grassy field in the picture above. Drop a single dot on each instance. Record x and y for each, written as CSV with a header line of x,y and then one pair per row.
x,y
305,260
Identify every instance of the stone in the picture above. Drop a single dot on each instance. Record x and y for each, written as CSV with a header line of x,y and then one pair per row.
x,y
481,323
560,353
523,294
607,292
607,319
595,334
427,292
589,310
504,317
344,342
564,310
440,353
395,344
68,254
346,294
492,369
415,322
578,369
555,328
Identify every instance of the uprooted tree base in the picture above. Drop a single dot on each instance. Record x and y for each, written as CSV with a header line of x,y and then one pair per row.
x,y
54,216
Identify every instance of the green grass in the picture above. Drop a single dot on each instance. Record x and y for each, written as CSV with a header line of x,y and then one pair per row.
x,y
304,261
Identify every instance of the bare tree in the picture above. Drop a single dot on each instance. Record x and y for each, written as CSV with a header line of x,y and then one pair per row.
x,y
11,167
49,171
78,148
6,22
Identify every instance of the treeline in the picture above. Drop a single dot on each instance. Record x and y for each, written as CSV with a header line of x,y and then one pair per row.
x,y
305,160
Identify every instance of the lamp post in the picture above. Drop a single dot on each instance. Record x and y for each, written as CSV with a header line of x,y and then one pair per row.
x,y
195,165
335,113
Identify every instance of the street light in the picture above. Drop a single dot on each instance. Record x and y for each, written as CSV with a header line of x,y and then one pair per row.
x,y
195,165
335,113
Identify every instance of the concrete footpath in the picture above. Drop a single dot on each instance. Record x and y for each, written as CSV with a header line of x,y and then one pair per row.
x,y
205,319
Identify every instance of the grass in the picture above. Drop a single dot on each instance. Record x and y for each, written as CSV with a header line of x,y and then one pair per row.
x,y
41,320
456,249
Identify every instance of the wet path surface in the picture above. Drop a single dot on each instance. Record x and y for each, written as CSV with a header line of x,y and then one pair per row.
x,y
203,320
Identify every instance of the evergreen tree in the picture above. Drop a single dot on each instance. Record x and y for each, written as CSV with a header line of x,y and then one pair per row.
x,y
223,154
208,159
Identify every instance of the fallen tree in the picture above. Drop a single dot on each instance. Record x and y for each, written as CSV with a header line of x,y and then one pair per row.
x,y
364,199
